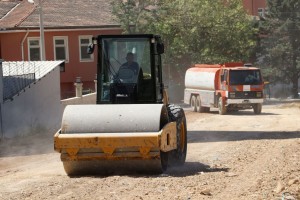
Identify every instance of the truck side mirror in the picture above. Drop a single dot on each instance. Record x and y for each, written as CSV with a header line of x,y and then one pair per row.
x,y
90,48
160,48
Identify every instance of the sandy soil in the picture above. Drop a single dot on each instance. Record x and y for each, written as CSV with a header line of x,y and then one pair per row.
x,y
234,156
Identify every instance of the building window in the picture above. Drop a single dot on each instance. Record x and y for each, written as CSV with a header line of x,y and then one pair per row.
x,y
61,51
62,67
266,11
84,41
34,49
261,12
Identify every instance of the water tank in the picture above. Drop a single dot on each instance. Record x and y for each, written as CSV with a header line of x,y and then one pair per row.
x,y
202,78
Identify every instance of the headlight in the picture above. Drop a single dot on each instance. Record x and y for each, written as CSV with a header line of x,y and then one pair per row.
x,y
231,94
258,94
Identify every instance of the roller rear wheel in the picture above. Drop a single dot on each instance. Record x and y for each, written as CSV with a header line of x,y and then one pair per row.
x,y
178,156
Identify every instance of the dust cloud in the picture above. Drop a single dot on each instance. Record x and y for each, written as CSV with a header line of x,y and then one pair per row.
x,y
33,144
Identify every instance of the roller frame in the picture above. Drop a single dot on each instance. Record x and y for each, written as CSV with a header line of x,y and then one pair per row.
x,y
116,146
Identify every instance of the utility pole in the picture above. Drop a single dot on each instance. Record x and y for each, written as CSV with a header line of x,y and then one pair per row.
x,y
42,35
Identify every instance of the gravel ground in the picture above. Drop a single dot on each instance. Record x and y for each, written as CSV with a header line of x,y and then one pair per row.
x,y
234,156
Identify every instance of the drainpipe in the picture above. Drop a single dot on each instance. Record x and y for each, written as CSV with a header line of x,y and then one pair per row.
x,y
22,44
95,81
1,100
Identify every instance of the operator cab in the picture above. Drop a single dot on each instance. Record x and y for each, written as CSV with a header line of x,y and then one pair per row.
x,y
129,69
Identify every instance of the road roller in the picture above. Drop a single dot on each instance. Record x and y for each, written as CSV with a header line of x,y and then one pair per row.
x,y
132,128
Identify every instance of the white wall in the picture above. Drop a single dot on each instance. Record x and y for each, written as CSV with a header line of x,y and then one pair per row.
x,y
36,110
1,99
85,99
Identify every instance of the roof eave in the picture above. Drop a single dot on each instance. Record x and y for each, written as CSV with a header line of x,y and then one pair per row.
x,y
67,28
61,27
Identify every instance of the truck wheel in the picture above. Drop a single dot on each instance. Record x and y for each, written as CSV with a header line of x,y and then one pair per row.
x,y
200,108
194,103
207,109
178,156
221,106
257,108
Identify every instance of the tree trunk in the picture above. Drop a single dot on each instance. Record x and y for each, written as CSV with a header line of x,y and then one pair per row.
x,y
293,39
295,86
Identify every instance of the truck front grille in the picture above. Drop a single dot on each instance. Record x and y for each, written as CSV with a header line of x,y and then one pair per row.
x,y
246,95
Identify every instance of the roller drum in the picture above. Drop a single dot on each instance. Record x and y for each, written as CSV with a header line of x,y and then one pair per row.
x,y
112,167
117,118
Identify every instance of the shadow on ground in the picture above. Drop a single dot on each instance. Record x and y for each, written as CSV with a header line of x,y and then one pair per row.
x,y
188,169
220,136
192,168
243,113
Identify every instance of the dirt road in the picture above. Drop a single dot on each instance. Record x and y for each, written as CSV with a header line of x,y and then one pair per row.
x,y
235,156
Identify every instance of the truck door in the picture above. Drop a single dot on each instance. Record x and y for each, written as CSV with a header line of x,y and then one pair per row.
x,y
223,82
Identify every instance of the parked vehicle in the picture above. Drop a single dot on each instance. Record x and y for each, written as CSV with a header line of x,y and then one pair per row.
x,y
228,87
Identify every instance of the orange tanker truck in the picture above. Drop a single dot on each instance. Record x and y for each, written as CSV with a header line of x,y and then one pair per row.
x,y
228,87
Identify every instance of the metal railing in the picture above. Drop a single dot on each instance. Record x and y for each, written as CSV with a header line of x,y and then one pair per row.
x,y
18,75
12,85
20,68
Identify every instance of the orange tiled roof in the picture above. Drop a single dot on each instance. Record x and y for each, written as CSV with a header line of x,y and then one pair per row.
x,y
5,6
57,14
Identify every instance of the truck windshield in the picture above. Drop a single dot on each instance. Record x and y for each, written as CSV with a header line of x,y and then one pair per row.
x,y
245,77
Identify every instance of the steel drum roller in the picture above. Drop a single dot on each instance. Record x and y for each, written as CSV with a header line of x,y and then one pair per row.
x,y
122,118
108,120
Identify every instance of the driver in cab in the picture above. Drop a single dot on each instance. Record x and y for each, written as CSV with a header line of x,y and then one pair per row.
x,y
131,64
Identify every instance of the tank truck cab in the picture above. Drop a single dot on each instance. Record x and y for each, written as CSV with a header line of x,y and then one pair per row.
x,y
244,89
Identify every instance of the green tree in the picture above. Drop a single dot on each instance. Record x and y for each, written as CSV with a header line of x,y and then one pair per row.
x,y
133,15
194,31
281,44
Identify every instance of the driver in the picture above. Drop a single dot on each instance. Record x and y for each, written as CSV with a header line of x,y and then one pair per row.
x,y
130,64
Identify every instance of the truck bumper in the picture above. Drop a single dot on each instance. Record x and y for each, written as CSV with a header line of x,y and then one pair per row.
x,y
244,101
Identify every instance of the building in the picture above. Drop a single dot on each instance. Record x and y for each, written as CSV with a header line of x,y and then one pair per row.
x,y
68,28
255,7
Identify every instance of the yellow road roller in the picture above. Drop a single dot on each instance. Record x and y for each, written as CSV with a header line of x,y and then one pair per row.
x,y
132,127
